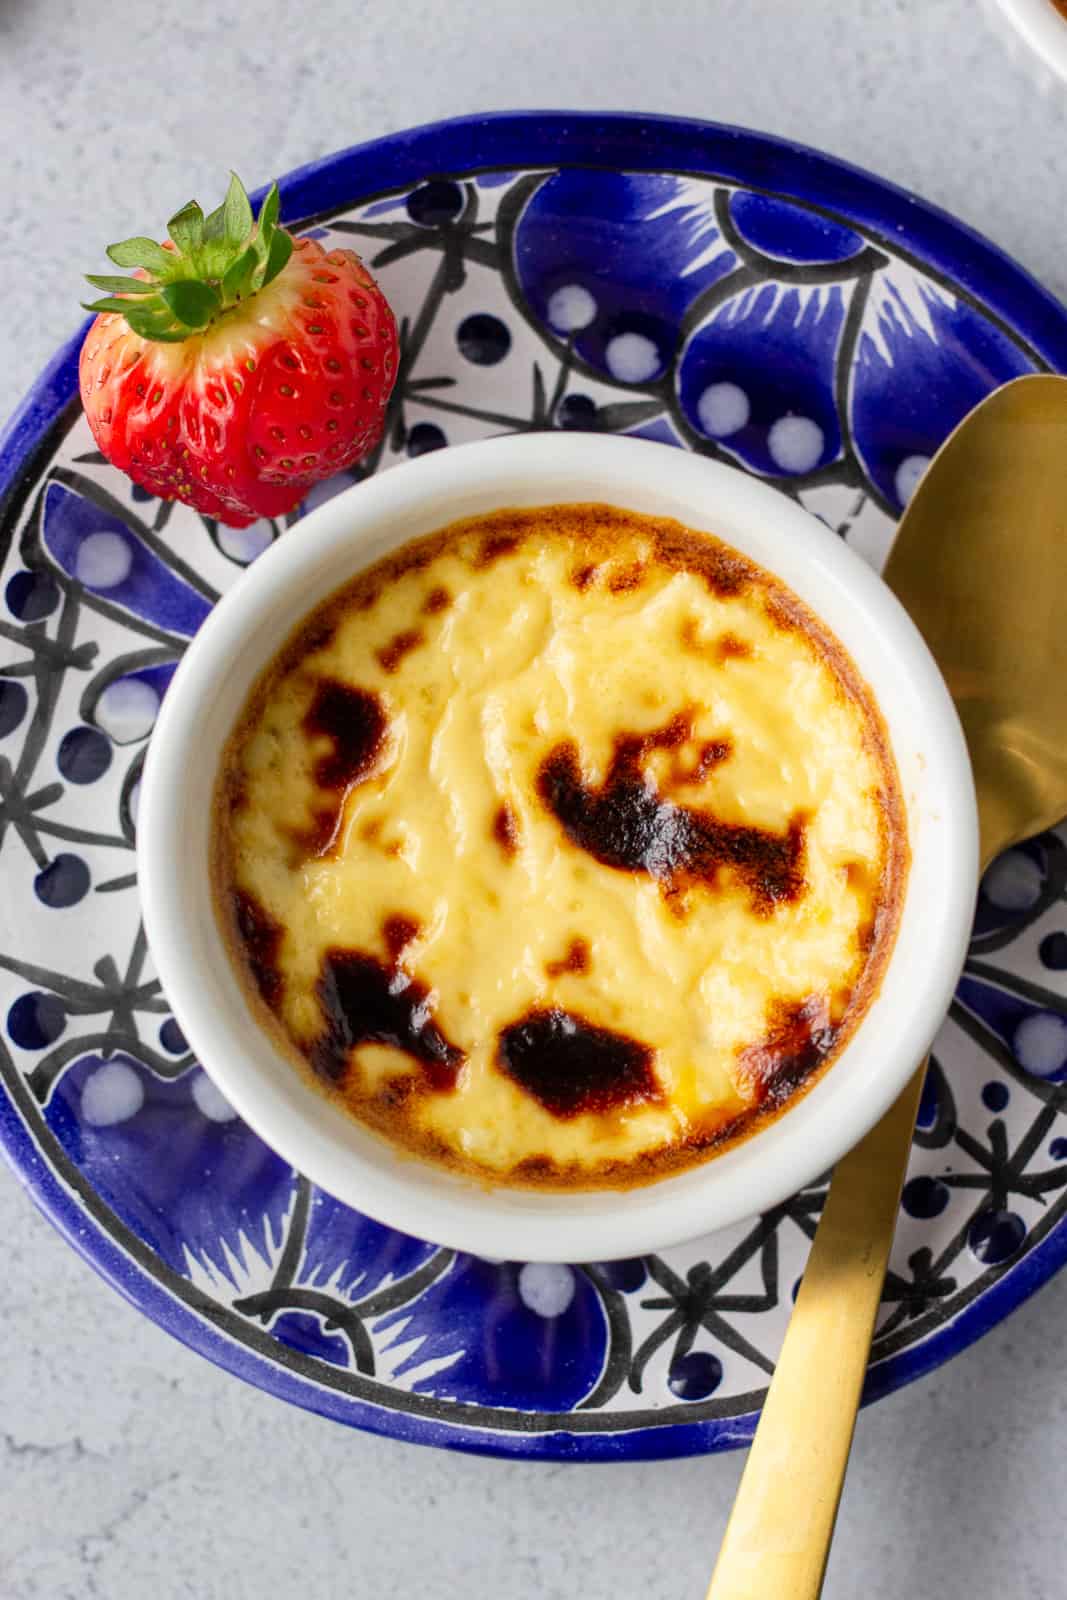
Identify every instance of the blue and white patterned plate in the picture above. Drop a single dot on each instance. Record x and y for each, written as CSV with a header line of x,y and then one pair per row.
x,y
702,285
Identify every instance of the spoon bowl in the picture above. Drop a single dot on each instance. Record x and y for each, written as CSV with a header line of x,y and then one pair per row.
x,y
980,563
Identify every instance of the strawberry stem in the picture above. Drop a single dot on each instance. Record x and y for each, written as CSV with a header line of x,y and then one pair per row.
x,y
212,263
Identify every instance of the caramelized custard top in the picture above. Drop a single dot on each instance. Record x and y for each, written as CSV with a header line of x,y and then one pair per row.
x,y
563,846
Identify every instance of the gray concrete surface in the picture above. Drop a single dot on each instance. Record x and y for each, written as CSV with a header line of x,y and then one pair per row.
x,y
129,1467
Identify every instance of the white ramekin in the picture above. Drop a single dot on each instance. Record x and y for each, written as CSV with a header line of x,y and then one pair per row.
x,y
355,529
1042,29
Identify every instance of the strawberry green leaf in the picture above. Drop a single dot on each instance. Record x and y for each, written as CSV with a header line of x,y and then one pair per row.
x,y
192,302
171,334
186,228
215,225
116,285
268,213
237,280
281,248
237,212
107,303
158,324
142,252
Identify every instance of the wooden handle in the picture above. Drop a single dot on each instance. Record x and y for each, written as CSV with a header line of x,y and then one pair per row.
x,y
778,1537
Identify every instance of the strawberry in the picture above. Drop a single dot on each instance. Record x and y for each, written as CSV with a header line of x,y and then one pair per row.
x,y
237,365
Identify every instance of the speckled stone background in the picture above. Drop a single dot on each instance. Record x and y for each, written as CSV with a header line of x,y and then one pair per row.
x,y
129,1467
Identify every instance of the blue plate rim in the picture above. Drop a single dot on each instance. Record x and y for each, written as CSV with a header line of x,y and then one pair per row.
x,y
917,230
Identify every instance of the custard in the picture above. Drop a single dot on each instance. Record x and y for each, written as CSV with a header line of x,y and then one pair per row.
x,y
563,847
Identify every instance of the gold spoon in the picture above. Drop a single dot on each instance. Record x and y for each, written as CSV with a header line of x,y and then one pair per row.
x,y
980,562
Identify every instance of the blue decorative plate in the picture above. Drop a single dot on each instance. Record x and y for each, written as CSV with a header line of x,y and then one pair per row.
x,y
701,285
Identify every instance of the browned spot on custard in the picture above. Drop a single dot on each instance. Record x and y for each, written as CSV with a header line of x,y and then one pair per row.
x,y
364,1000
723,571
318,635
626,824
724,575
841,997
398,933
710,755
690,637
436,601
799,1038
495,546
569,1065
728,647
356,723
395,1093
869,929
582,577
786,612
536,1170
578,958
317,837
506,829
261,939
399,646
627,578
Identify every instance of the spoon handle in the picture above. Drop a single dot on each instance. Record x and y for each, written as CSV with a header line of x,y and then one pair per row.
x,y
778,1538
